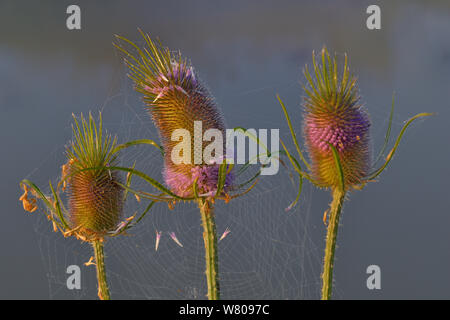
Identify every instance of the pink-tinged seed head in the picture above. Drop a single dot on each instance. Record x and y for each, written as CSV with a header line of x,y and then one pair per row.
x,y
341,131
176,99
181,183
334,116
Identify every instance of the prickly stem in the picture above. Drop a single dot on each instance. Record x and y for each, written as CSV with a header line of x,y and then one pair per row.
x,y
211,255
333,224
103,290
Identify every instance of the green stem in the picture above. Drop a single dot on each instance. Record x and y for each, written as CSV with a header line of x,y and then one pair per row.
x,y
103,290
210,239
333,224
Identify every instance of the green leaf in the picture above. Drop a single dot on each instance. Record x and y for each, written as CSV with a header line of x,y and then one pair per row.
x,y
221,178
145,211
58,207
47,203
140,174
253,137
300,186
151,181
38,191
294,137
295,163
388,132
376,173
195,188
128,182
301,175
132,223
137,142
144,195
230,167
249,180
337,162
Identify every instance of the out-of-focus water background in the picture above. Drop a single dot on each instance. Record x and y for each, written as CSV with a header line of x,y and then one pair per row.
x,y
246,52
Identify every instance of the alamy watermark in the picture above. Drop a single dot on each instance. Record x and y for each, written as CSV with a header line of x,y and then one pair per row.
x,y
374,280
214,153
74,280
373,22
73,21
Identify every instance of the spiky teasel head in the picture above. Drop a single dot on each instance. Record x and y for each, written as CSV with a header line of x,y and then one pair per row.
x,y
336,131
334,119
90,180
176,99
95,197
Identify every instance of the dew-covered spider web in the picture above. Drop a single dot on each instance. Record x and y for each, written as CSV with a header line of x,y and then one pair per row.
x,y
269,253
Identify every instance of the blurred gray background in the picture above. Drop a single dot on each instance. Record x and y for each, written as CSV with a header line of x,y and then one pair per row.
x,y
246,51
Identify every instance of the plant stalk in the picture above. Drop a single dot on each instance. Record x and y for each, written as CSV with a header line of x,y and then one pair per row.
x,y
211,255
103,290
333,224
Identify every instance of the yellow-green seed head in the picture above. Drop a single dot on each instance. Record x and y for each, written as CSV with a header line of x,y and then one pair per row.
x,y
94,194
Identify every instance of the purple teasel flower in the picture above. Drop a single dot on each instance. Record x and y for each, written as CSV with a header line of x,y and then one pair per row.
x,y
336,132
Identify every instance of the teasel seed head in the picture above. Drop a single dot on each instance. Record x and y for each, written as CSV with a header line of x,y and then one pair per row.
x,y
176,99
95,198
334,116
